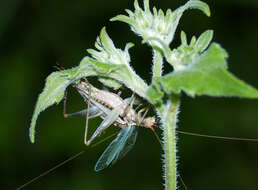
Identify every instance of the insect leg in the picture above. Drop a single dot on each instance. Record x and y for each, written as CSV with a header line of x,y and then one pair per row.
x,y
145,113
109,120
140,114
87,120
135,102
129,105
93,111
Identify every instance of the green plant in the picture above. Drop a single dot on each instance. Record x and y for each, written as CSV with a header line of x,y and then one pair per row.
x,y
199,68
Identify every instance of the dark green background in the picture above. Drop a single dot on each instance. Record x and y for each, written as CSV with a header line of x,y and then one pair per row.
x,y
35,35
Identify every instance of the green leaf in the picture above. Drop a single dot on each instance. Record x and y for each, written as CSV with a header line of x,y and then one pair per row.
x,y
207,75
53,92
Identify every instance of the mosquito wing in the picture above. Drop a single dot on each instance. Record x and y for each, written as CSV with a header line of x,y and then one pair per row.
x,y
117,149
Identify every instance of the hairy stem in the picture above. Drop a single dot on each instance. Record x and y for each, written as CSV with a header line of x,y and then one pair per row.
x,y
157,64
168,116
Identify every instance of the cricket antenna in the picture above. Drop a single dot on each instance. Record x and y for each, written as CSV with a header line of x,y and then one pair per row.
x,y
182,181
217,137
59,67
180,177
50,170
62,163
157,137
103,140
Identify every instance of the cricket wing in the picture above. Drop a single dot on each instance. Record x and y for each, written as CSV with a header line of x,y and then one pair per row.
x,y
117,148
128,144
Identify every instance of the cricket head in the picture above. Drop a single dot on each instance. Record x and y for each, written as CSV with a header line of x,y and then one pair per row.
x,y
149,122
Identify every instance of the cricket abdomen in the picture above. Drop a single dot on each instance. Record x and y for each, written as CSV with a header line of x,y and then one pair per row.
x,y
107,99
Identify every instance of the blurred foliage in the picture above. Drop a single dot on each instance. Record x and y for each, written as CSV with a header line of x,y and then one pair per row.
x,y
35,35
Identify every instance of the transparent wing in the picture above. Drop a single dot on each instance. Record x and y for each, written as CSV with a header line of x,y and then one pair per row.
x,y
128,145
121,145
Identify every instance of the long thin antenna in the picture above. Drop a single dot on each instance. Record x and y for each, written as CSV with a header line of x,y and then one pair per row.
x,y
63,163
217,137
182,181
103,140
157,137
50,170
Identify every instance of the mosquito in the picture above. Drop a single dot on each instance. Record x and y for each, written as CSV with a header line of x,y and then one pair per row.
x,y
113,110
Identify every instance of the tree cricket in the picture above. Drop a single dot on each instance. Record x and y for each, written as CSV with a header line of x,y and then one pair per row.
x,y
119,112
113,110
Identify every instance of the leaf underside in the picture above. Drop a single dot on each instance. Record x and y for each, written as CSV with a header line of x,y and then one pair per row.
x,y
52,93
206,75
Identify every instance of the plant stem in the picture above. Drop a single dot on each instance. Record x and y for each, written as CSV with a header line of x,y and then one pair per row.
x,y
157,64
168,116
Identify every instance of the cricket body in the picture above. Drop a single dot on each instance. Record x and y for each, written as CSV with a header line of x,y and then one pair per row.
x,y
113,110
114,102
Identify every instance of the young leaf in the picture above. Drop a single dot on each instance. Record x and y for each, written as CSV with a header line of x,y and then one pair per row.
x,y
119,72
203,41
180,57
158,25
207,75
111,62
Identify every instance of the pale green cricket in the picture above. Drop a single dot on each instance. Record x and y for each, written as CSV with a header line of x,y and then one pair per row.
x,y
113,110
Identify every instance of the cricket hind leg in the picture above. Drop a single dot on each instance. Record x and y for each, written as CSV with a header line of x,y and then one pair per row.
x,y
89,113
109,120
